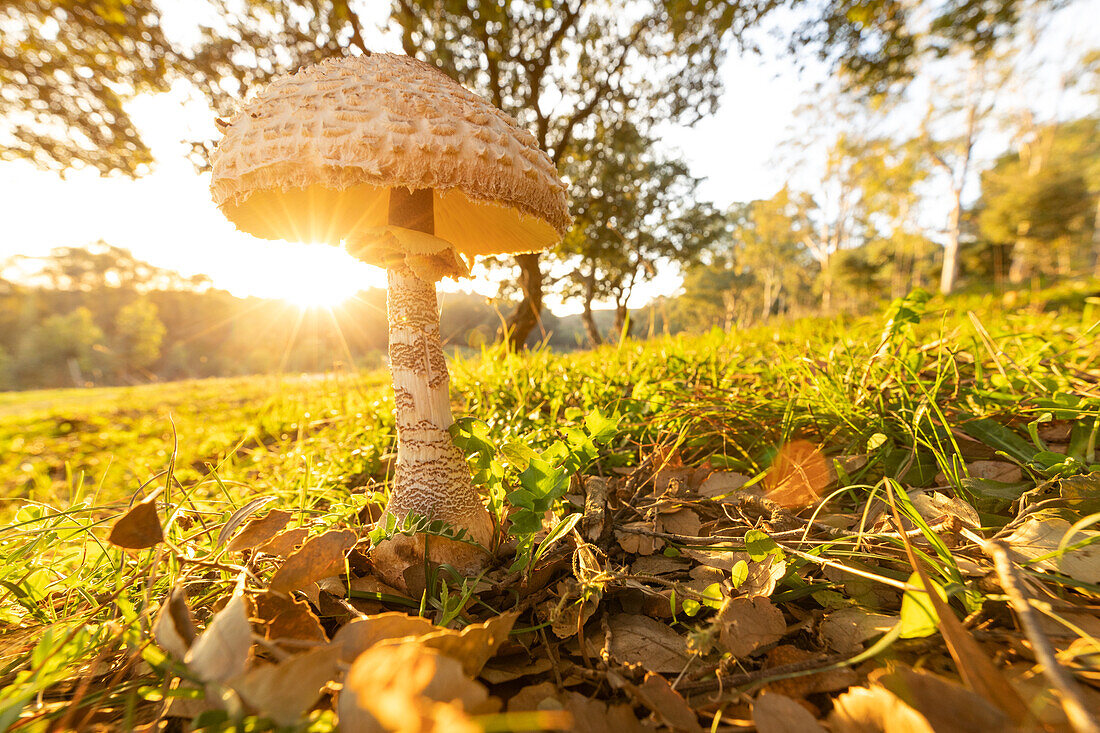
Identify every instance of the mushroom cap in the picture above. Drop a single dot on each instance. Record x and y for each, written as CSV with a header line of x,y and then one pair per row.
x,y
314,156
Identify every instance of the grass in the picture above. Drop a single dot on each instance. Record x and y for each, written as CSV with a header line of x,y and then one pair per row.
x,y
914,401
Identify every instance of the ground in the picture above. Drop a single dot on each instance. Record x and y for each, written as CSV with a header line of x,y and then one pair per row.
x,y
699,532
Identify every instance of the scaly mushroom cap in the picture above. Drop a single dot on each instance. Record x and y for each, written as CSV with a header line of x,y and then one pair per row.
x,y
313,157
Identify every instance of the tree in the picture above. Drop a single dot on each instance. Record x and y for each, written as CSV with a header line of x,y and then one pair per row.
x,y
62,349
771,240
888,175
1038,200
957,112
139,334
564,69
880,45
67,68
827,219
635,210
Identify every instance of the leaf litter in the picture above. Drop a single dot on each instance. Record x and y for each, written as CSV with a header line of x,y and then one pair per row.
x,y
718,587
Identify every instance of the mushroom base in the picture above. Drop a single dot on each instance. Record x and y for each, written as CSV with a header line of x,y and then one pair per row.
x,y
431,479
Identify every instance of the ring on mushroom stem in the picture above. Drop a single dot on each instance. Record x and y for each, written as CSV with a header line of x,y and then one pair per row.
x,y
416,174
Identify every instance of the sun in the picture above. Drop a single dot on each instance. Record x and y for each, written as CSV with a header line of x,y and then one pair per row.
x,y
320,294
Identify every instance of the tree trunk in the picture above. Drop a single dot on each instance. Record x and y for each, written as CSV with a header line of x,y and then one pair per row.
x,y
950,272
1020,267
623,325
527,314
587,318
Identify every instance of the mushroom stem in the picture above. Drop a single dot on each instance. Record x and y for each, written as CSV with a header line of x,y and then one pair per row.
x,y
431,479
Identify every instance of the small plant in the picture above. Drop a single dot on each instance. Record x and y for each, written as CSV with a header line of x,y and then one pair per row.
x,y
538,480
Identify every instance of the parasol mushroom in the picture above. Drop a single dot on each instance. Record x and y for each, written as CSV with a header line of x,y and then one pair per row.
x,y
416,174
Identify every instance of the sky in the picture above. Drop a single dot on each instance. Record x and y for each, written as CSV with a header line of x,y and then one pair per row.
x,y
168,219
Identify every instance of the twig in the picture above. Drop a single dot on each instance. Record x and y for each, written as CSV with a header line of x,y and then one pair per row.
x,y
1073,703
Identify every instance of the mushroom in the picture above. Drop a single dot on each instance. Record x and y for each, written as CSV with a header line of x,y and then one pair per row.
x,y
416,174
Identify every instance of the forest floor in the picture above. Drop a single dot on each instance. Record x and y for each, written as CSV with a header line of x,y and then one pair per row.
x,y
883,523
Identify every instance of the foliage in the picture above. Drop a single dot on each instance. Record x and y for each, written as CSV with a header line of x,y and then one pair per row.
x,y
635,212
67,68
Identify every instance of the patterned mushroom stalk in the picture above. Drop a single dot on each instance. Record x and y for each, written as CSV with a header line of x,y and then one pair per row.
x,y
408,170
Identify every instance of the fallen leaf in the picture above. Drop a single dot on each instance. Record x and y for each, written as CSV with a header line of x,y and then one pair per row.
x,y
669,706
474,645
638,544
772,713
1002,471
285,691
875,710
285,542
138,528
515,667
720,483
845,629
221,651
285,618
683,522
1040,536
360,635
761,576
657,565
947,706
646,642
173,628
407,687
586,715
260,530
936,508
747,624
319,558
237,518
826,680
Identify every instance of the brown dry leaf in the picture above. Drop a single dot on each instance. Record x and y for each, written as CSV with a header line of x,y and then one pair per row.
x,y
827,680
285,618
947,706
657,565
474,645
221,651
356,637
936,507
747,624
586,716
720,483
138,528
723,557
1008,473
683,522
638,544
644,641
261,530
875,710
772,713
319,558
285,542
1039,536
173,628
401,688
846,629
515,667
669,706
762,577
285,691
